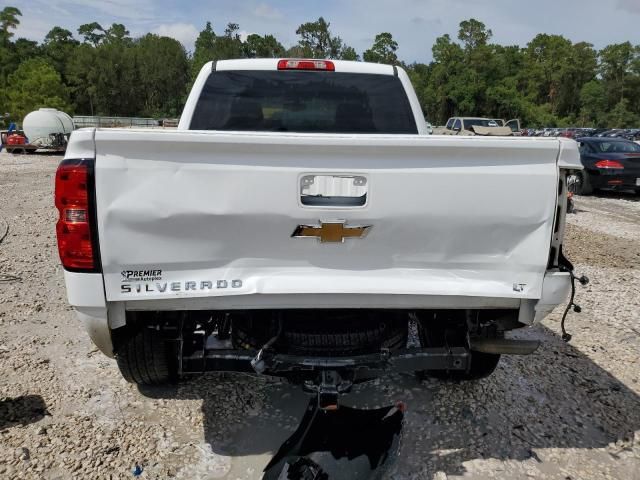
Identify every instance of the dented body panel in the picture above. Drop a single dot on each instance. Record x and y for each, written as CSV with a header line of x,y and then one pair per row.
x,y
469,217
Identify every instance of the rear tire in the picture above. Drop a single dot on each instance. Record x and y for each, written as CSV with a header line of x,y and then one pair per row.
x,y
347,341
145,358
335,333
583,186
251,331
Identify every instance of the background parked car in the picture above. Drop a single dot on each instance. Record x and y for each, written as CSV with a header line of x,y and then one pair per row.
x,y
611,163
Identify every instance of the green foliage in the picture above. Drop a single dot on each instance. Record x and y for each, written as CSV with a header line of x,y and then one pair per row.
x,y
35,84
549,82
618,66
117,33
59,45
8,21
212,47
267,46
229,45
103,79
164,71
383,50
317,41
92,33
621,116
82,72
205,49
120,76
593,97
473,34
11,53
349,53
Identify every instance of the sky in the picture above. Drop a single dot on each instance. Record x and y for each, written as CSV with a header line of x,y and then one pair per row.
x,y
414,24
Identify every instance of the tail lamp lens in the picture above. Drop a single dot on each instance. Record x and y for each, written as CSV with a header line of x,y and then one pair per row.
x,y
73,229
301,64
609,164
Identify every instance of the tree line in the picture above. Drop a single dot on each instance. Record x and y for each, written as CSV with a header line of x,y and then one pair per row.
x,y
550,82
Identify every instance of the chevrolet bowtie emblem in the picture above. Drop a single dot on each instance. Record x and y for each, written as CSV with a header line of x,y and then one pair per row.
x,y
331,232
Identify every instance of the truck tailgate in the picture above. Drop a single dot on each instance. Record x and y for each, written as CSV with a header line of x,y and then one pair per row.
x,y
194,214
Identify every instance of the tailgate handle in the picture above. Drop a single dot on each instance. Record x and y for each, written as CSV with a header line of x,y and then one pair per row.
x,y
333,190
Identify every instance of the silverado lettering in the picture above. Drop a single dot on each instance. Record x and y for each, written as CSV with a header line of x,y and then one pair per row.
x,y
178,286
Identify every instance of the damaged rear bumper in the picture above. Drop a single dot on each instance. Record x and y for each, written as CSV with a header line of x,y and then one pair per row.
x,y
360,366
364,366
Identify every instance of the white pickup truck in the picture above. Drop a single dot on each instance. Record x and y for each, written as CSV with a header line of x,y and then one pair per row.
x,y
301,223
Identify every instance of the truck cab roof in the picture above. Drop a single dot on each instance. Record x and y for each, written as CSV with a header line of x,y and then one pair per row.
x,y
344,66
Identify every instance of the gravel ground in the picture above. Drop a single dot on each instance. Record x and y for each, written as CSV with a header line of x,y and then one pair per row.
x,y
569,412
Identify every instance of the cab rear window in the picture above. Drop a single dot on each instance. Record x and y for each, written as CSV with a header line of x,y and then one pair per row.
x,y
297,101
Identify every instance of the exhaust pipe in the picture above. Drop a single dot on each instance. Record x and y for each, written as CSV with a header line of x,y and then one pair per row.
x,y
504,345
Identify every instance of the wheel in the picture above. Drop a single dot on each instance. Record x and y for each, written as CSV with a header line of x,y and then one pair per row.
x,y
145,358
251,331
583,185
346,338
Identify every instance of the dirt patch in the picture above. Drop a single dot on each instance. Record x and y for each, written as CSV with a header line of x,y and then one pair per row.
x,y
584,246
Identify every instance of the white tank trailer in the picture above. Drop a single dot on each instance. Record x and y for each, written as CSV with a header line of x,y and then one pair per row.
x,y
47,127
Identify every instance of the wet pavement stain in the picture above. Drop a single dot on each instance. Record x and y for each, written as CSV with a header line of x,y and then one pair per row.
x,y
346,443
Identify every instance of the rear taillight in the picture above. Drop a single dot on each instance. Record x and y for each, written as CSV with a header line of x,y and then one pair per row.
x,y
74,181
297,64
609,164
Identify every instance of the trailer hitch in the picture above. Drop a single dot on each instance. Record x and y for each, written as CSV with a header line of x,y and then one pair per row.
x,y
328,389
